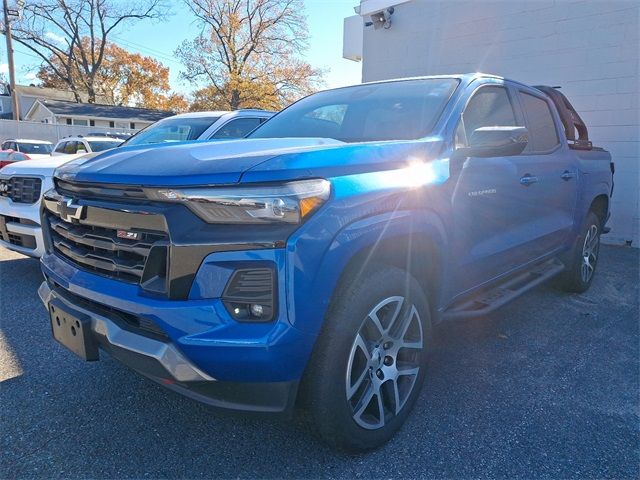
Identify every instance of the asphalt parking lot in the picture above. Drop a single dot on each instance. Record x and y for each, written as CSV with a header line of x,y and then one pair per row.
x,y
546,387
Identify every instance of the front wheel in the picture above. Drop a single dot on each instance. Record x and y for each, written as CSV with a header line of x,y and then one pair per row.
x,y
370,361
583,260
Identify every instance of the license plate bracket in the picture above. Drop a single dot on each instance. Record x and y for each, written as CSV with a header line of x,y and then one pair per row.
x,y
73,330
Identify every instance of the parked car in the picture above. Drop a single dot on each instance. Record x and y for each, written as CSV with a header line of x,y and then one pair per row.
x,y
311,261
221,125
179,128
7,157
82,145
22,185
34,148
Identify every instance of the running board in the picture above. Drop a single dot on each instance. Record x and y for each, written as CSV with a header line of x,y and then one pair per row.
x,y
503,293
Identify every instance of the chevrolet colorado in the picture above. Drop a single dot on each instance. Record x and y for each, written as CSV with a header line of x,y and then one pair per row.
x,y
309,263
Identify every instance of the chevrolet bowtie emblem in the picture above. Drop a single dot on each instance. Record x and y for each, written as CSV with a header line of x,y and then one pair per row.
x,y
69,211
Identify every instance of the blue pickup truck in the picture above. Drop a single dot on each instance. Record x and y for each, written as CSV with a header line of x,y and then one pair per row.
x,y
308,264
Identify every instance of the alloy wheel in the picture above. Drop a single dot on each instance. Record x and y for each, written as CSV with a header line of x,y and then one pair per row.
x,y
589,253
384,362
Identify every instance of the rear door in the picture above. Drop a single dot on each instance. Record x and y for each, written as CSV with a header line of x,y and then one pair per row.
x,y
555,192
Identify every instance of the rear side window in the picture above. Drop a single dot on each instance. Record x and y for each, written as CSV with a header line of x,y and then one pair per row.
x,y
61,146
489,107
70,147
238,128
542,130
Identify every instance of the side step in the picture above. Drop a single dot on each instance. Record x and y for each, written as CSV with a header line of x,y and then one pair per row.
x,y
503,293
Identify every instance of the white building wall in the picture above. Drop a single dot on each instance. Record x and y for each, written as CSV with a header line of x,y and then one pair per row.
x,y
590,48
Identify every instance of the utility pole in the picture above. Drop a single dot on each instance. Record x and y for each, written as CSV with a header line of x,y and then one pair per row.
x,y
12,73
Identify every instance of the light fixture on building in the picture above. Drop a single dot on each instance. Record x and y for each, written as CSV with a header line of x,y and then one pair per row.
x,y
381,19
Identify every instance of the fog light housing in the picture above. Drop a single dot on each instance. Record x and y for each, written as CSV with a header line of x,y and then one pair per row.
x,y
250,295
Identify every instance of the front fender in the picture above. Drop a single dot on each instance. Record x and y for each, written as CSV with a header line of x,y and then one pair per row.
x,y
309,294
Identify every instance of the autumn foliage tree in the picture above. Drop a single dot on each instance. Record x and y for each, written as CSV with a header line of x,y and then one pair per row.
x,y
70,36
248,54
124,78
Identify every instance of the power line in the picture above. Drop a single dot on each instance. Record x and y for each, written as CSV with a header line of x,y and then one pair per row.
x,y
148,50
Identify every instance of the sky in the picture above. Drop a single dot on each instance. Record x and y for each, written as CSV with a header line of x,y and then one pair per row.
x,y
159,40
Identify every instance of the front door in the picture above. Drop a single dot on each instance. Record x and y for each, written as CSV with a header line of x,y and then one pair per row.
x,y
492,209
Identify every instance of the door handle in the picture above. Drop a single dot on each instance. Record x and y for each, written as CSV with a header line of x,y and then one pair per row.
x,y
528,180
567,175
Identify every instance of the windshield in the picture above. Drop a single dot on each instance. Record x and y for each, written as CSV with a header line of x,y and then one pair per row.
x,y
100,145
403,110
35,148
173,129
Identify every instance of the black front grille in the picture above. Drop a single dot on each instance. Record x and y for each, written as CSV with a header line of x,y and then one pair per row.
x,y
21,189
101,250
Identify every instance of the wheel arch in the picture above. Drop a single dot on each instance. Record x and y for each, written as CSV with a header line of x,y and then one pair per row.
x,y
600,206
412,241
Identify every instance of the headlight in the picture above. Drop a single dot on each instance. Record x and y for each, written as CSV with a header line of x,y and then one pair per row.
x,y
288,203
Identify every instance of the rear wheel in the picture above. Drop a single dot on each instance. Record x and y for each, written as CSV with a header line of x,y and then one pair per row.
x,y
370,360
583,260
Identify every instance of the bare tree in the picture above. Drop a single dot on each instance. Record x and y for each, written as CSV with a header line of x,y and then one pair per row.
x,y
70,36
248,53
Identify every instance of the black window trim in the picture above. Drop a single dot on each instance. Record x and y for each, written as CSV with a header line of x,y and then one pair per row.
x,y
541,96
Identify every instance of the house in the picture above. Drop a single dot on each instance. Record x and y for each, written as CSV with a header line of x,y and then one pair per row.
x,y
589,48
93,114
28,94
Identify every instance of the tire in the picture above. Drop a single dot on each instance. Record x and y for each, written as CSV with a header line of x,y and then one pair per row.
x,y
582,261
355,357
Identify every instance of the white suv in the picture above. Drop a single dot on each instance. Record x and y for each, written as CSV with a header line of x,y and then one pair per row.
x,y
220,125
23,183
81,145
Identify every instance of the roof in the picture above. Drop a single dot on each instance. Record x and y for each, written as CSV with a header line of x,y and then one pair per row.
x,y
216,113
28,140
220,113
62,108
52,93
90,138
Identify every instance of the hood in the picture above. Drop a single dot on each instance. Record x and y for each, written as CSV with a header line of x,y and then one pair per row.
x,y
187,163
249,160
43,166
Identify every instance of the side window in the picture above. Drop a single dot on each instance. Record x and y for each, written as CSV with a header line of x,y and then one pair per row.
x,y
329,113
61,146
81,147
542,129
70,147
489,107
5,146
238,128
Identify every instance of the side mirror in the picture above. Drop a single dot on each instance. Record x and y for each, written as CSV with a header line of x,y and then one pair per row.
x,y
496,142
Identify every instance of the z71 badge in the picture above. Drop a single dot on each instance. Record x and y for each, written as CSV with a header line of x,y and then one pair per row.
x,y
129,235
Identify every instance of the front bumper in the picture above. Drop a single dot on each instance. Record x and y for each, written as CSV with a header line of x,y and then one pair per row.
x,y
20,229
160,360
